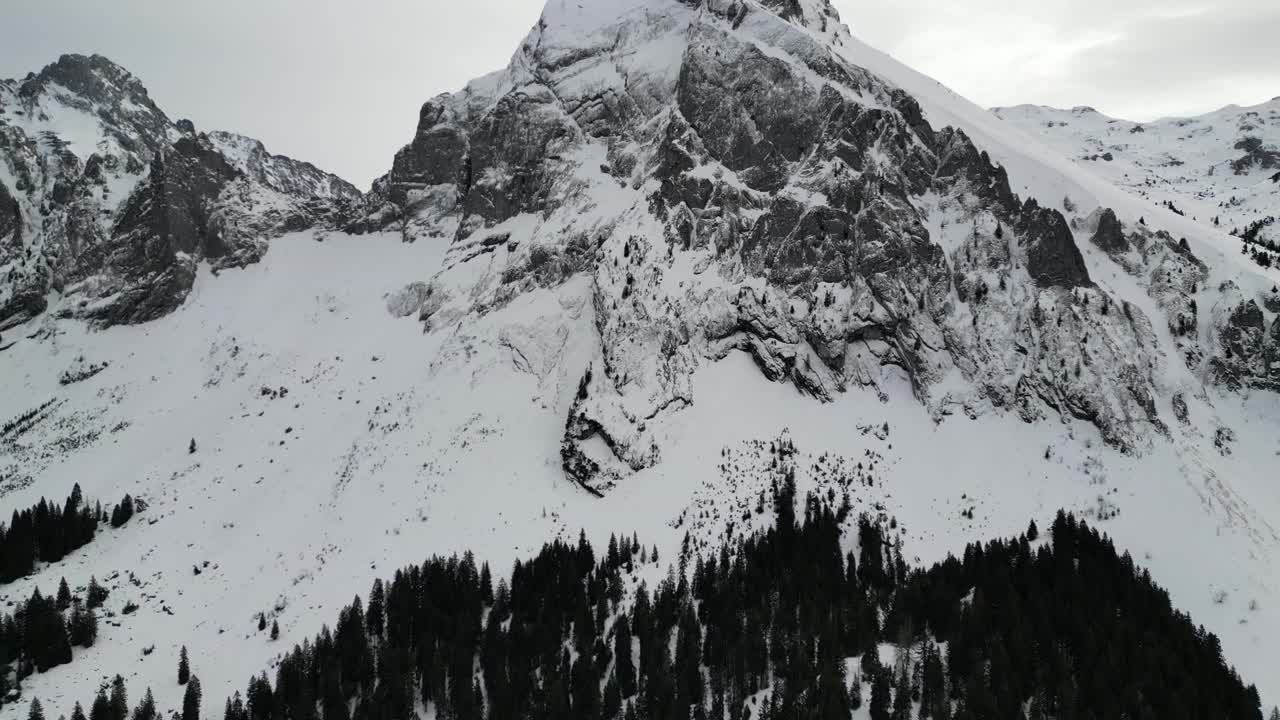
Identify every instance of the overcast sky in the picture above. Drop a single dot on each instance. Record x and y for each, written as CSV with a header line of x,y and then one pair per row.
x,y
339,83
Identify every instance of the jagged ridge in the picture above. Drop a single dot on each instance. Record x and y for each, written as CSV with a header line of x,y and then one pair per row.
x,y
110,204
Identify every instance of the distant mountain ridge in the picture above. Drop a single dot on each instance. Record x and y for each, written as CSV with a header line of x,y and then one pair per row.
x,y
110,204
1222,168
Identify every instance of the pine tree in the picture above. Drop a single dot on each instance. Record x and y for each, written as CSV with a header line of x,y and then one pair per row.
x,y
1033,532
119,706
96,595
83,627
902,695
191,700
262,621
146,709
77,713
191,449
486,584
36,712
237,711
374,617
64,595
611,703
625,668
880,696
275,630
184,667
101,707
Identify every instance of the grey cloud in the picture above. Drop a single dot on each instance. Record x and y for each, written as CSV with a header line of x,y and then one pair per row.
x,y
1138,58
340,83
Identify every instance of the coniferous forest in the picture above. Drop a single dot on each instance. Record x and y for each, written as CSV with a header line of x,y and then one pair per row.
x,y
781,625
47,531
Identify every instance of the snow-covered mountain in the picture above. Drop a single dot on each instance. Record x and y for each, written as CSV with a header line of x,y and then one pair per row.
x,y
109,206
586,291
1222,168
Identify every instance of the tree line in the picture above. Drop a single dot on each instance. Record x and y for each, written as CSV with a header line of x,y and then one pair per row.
x,y
47,531
39,633
783,625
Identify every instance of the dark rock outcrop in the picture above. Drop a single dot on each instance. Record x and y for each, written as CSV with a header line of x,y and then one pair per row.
x,y
1053,259
1256,155
1110,233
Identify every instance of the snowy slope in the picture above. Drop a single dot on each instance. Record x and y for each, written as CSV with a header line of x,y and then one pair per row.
x,y
444,444
433,387
1221,168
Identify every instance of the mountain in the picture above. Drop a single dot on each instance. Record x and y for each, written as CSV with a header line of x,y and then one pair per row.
x,y
110,205
597,291
1222,168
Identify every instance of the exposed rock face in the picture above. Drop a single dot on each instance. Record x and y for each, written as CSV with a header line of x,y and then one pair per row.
x,y
1241,338
1110,234
1052,256
729,182
114,205
1170,272
1256,155
1248,345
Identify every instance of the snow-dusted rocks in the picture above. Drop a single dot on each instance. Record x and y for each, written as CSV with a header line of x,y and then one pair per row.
x,y
730,181
110,205
1216,168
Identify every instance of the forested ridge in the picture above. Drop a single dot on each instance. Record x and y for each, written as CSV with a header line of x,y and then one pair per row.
x,y
784,624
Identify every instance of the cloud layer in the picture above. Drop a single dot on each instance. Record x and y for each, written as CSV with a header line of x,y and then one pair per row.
x,y
340,83
1138,59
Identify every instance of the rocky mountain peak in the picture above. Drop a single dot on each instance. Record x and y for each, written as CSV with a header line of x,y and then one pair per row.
x,y
92,77
115,206
727,179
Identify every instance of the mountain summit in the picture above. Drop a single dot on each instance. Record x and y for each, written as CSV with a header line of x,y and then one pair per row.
x,y
729,178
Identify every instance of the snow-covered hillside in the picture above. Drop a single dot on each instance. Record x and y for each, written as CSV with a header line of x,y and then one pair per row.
x,y
590,288
1222,168
391,445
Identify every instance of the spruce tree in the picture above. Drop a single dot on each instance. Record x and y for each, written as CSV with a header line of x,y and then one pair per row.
x,y
35,712
146,709
64,595
83,627
374,617
880,696
119,706
902,695
101,707
275,630
77,713
96,595
184,667
191,700
625,668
